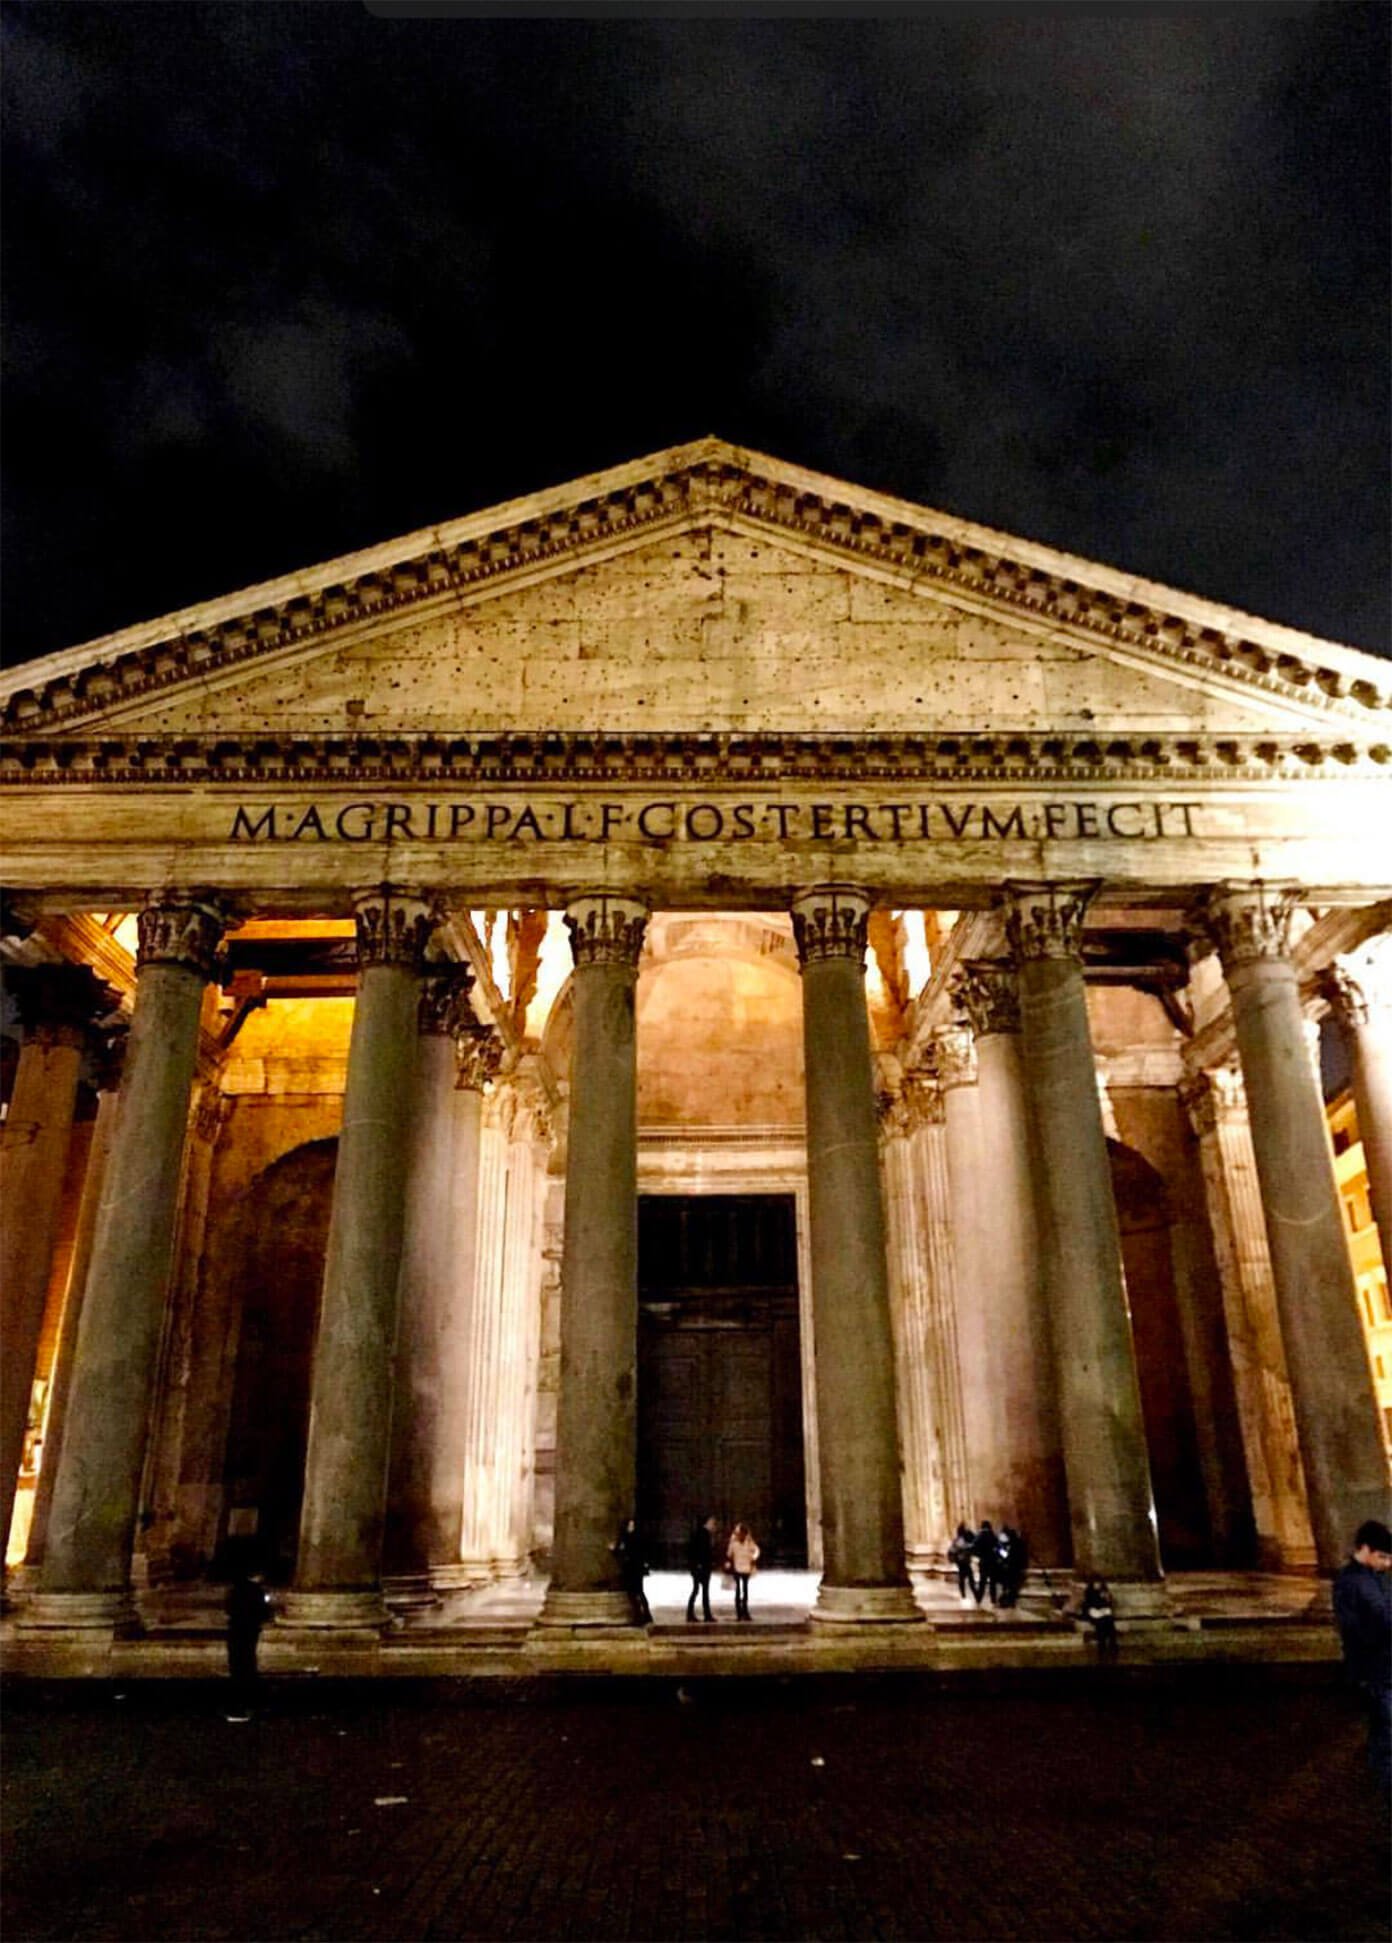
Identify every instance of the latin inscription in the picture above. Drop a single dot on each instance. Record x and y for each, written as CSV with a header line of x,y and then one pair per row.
x,y
674,820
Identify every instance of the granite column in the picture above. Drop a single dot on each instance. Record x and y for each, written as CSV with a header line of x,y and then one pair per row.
x,y
1331,1384
1111,1507
420,1554
85,1578
1360,994
864,1580
596,1425
1020,1475
57,1003
337,1570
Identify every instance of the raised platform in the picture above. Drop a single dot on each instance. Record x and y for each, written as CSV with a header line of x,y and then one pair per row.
x,y
491,1631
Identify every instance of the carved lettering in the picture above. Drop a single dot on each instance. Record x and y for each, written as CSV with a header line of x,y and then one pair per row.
x,y
669,819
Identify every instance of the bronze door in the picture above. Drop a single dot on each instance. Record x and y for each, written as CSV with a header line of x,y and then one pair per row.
x,y
720,1387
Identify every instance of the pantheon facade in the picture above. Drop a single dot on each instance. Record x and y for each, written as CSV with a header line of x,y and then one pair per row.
x,y
704,990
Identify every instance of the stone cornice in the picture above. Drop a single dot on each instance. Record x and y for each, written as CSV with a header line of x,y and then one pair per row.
x,y
710,483
683,760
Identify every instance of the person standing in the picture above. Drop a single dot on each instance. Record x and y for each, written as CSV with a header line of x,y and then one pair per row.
x,y
959,1553
700,1557
248,1609
987,1562
742,1562
633,1569
1014,1550
1363,1614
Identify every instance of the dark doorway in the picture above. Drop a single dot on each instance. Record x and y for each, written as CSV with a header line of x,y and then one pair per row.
x,y
719,1372
1167,1403
282,1234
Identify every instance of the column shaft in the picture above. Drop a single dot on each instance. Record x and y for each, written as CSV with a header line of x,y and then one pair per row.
x,y
1331,1384
1024,1484
341,1521
596,1425
438,1253
95,1503
863,1573
98,1157
924,1511
930,1158
1109,1497
33,1157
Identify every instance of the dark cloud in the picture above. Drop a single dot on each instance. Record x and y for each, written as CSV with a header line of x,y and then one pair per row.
x,y
284,280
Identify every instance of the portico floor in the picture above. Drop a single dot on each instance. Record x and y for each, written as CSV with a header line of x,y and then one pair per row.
x,y
491,1630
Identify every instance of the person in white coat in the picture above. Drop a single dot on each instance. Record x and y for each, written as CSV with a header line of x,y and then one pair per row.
x,y
742,1562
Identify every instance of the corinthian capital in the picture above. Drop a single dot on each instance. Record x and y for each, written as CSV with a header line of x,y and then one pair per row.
x,y
1360,983
830,921
1212,1096
445,1009
1246,922
606,930
923,1098
394,927
1046,920
478,1053
180,931
954,1054
989,994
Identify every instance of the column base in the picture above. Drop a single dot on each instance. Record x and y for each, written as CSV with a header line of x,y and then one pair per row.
x,y
334,1611
458,1577
865,1605
78,1612
587,1612
410,1592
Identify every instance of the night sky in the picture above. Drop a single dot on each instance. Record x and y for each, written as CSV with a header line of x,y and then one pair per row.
x,y
285,280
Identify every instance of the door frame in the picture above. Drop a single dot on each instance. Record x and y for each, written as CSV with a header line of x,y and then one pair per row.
x,y
738,1160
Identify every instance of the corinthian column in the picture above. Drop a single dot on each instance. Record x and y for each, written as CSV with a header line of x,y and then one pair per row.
x,y
596,1424
85,1579
425,1495
1360,994
949,1437
1217,1106
57,1004
60,1387
1007,1361
1104,1450
338,1565
863,1574
910,1315
1335,1403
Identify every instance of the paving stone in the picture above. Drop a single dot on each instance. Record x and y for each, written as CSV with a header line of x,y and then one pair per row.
x,y
1195,1803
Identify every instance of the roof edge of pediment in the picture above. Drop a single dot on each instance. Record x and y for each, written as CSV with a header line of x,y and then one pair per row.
x,y
708,479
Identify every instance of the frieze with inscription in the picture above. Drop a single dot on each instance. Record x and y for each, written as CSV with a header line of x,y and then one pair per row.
x,y
668,820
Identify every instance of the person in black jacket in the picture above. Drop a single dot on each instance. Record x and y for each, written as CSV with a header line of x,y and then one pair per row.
x,y
700,1557
633,1569
248,1609
987,1562
1363,1614
959,1553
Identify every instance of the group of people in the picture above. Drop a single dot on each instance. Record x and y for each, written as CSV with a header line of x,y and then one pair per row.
x,y
741,1562
989,1561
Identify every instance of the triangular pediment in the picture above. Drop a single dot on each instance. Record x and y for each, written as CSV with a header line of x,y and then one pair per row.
x,y
707,590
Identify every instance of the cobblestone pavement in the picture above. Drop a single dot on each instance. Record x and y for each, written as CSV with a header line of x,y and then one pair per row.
x,y
1210,1803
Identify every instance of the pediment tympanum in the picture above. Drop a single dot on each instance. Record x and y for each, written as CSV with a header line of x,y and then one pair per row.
x,y
708,677
705,589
